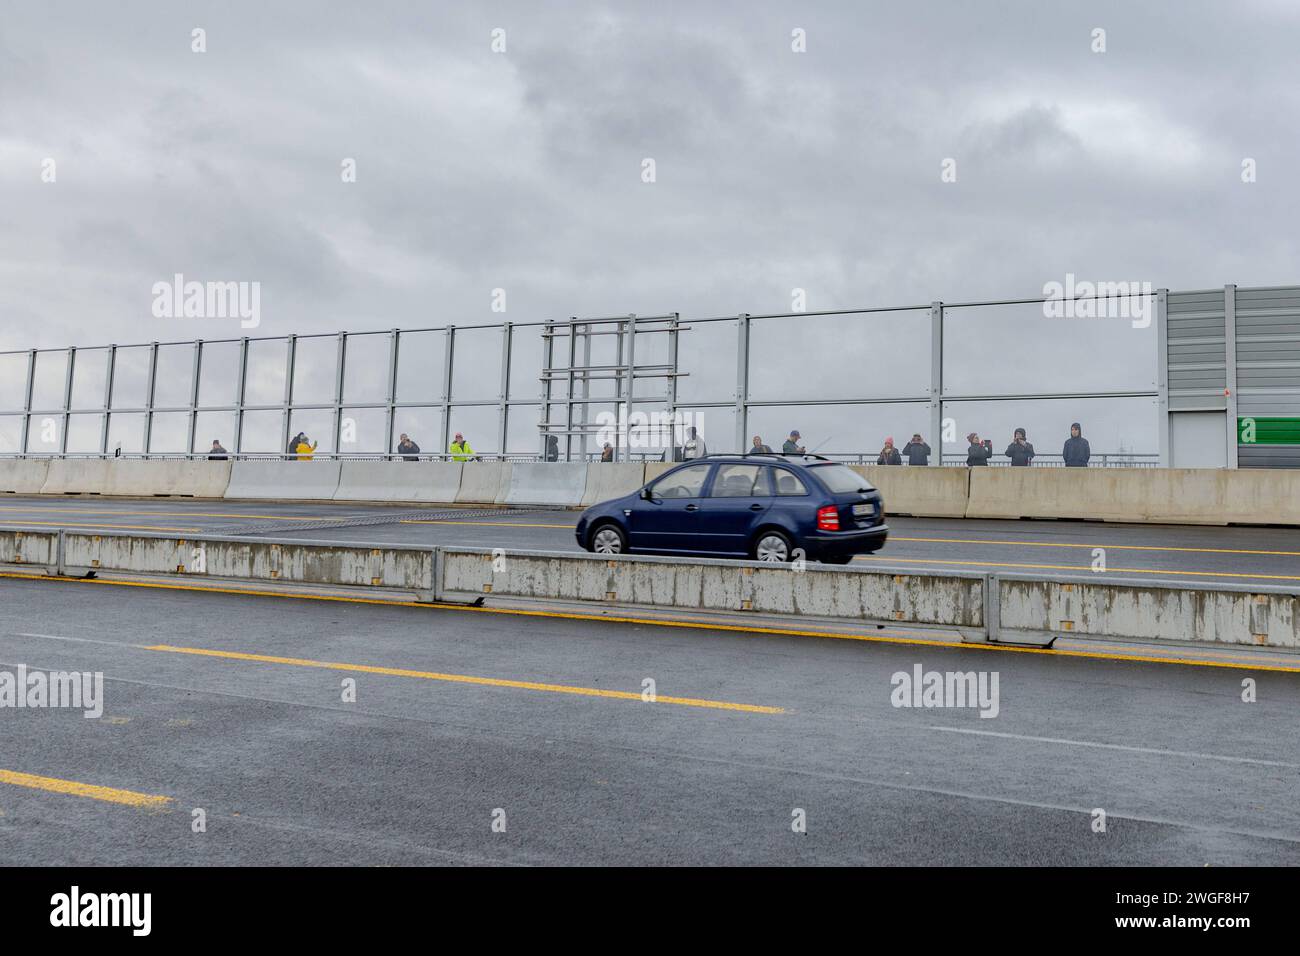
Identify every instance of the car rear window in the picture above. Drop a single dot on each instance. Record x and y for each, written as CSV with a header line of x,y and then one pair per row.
x,y
840,478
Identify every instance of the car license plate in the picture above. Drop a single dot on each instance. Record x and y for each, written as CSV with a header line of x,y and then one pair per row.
x,y
863,511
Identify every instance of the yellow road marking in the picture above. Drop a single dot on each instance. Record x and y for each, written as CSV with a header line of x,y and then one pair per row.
x,y
1075,567
875,638
72,788
468,679
81,524
505,524
1114,547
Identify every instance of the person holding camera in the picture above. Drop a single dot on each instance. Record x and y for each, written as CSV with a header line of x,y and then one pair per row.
x,y
1020,451
979,452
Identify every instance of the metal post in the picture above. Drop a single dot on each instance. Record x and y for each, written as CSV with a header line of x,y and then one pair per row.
x,y
239,395
586,387
340,362
1230,365
936,383
67,399
548,352
194,394
394,342
1162,375
503,409
742,381
108,399
290,357
27,400
447,359
631,376
148,415
568,395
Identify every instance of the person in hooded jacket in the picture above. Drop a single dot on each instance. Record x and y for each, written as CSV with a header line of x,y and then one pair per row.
x,y
917,451
889,454
1020,451
979,452
1076,451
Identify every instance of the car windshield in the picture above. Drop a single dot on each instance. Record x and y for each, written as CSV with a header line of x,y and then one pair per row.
x,y
840,478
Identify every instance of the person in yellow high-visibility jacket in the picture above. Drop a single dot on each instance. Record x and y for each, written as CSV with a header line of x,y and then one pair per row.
x,y
304,450
460,450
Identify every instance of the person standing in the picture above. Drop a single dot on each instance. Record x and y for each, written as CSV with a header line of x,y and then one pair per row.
x,y
889,454
460,450
1020,451
1076,451
917,451
979,452
758,448
305,447
216,452
408,449
792,446
607,452
694,447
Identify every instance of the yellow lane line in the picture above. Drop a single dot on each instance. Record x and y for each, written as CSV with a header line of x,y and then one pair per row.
x,y
1075,567
80,524
504,524
1115,547
468,679
874,638
72,788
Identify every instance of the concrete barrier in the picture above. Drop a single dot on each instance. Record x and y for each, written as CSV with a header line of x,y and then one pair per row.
x,y
606,480
483,482
1126,610
861,594
23,476
76,476
29,547
653,469
252,559
137,478
545,483
398,481
1149,495
303,480
923,492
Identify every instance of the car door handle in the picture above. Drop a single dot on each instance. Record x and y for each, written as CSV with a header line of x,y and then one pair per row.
x,y
692,507
755,507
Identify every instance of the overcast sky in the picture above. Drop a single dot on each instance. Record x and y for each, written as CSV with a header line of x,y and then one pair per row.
x,y
774,170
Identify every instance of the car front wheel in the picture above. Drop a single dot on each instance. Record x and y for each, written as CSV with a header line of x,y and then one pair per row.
x,y
608,539
772,546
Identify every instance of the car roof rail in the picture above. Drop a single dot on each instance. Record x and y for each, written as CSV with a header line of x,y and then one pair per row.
x,y
759,454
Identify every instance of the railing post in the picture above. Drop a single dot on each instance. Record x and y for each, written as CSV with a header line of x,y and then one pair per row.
x,y
1230,366
936,383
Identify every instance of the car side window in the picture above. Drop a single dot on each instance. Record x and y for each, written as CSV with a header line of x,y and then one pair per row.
x,y
740,481
686,482
788,483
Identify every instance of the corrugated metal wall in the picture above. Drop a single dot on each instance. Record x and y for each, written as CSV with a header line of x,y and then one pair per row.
x,y
1197,350
1268,369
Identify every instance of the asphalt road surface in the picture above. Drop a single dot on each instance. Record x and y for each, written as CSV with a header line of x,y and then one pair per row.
x,y
239,707
1180,554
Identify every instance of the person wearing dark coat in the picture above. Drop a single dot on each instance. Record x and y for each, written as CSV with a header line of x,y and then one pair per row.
x,y
979,452
1076,451
408,449
916,451
889,454
1020,451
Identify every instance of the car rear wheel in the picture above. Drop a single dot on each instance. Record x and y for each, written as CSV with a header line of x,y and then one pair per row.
x,y
608,539
773,546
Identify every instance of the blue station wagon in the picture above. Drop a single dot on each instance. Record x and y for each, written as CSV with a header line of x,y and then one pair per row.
x,y
763,507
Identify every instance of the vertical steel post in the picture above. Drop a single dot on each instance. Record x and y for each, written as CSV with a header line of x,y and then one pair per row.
x,y
153,382
503,409
340,363
742,381
394,343
1230,366
290,358
67,399
448,359
1162,375
194,394
936,383
109,373
240,388
568,395
27,399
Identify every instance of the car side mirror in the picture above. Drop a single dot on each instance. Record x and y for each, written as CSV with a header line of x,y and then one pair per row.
x,y
647,494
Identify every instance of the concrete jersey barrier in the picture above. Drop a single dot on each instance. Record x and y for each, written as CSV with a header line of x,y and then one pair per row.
x,y
612,479
137,478
76,476
483,482
545,483
23,476
302,480
923,492
436,481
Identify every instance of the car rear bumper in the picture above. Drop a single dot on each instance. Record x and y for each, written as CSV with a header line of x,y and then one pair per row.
x,y
857,541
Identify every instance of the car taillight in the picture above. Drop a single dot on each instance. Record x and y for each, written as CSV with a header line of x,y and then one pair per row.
x,y
828,518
